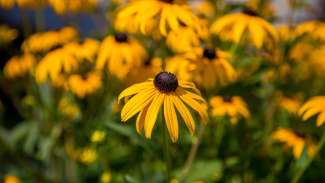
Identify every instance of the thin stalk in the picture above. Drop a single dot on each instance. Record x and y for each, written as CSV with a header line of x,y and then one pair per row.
x,y
219,135
301,171
166,152
192,154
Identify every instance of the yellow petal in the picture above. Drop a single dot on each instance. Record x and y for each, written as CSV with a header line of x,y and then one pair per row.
x,y
137,103
152,113
309,113
171,118
184,112
136,88
141,118
320,119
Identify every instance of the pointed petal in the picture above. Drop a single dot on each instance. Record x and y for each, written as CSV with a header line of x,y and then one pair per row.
x,y
152,113
171,118
184,112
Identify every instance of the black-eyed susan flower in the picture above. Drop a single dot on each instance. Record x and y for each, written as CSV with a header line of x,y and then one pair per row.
x,y
19,66
212,67
313,29
44,41
236,25
313,106
182,40
234,107
266,7
167,92
166,14
119,54
294,140
83,85
148,69
181,67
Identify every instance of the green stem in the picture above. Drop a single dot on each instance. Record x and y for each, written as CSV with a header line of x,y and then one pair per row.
x,y
166,152
219,135
191,155
300,172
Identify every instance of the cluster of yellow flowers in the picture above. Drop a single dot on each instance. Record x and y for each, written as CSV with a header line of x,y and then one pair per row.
x,y
59,6
172,57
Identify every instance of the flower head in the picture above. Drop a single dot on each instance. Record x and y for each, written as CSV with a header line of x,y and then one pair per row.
x,y
166,14
166,91
294,140
235,25
19,66
211,67
234,107
83,85
119,54
313,106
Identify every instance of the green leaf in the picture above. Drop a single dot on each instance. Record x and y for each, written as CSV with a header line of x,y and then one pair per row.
x,y
205,170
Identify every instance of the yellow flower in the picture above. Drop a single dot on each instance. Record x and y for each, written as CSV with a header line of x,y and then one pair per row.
x,y
19,66
285,33
42,42
62,61
88,155
68,108
234,27
234,107
106,177
181,67
11,179
290,104
203,8
313,106
294,140
182,40
97,136
314,29
164,90
212,67
84,85
165,14
148,69
119,54
7,34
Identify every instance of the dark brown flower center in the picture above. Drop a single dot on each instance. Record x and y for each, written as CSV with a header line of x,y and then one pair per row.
x,y
300,134
121,37
209,53
166,82
167,1
250,12
227,99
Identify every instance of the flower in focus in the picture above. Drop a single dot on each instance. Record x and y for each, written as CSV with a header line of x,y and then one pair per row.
x,y
166,14
212,67
148,69
7,34
88,155
313,106
234,107
166,91
42,42
97,136
11,179
106,177
84,85
119,54
294,140
234,27
182,40
69,109
19,66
